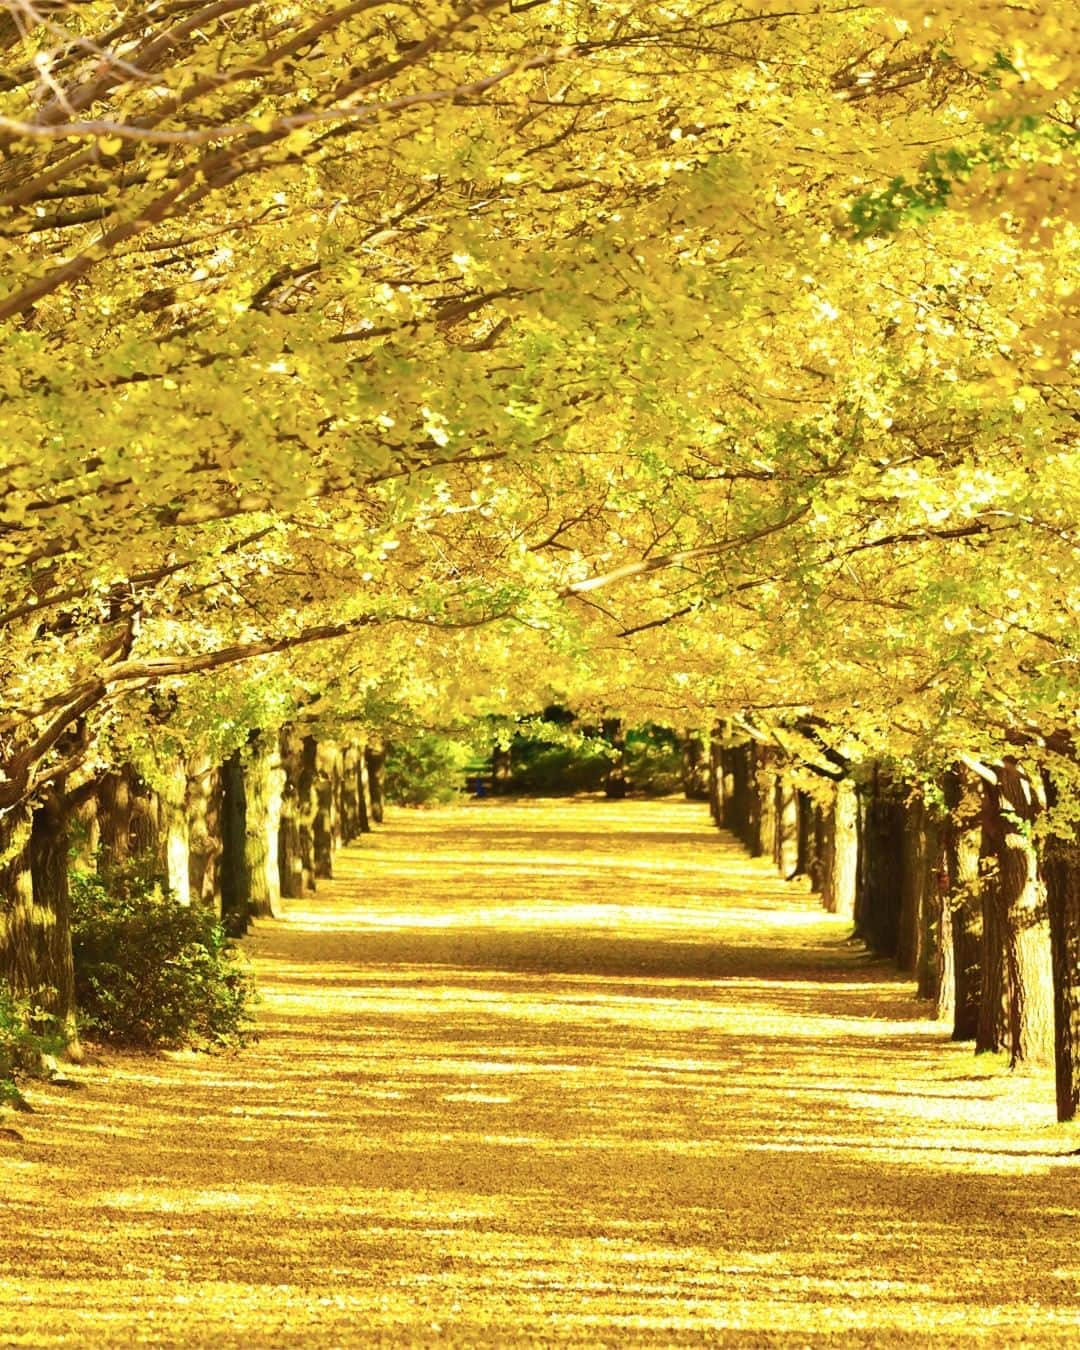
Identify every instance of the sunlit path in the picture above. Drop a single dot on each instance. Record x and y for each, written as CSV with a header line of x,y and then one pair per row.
x,y
540,1074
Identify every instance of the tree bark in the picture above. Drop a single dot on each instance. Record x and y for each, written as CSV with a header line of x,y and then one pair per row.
x,y
263,782
933,948
763,800
375,767
203,811
615,780
962,848
365,794
716,776
786,848
55,976
881,833
840,850
1018,905
324,823
695,767
175,832
991,1032
290,848
235,881
1061,871
18,925
349,791
130,821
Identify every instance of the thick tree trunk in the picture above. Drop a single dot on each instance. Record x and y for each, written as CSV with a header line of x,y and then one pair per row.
x,y
203,813
740,807
695,767
263,782
349,791
809,840
991,1032
840,851
175,831
324,824
763,800
375,767
962,849
1061,872
49,846
1017,912
83,833
114,792
290,850
130,821
235,881
881,835
309,806
933,951
19,963
716,777
786,847
365,794
20,959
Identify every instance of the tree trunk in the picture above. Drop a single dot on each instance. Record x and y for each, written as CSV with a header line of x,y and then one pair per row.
x,y
203,813
716,776
235,882
129,821
55,975
365,794
695,768
309,806
991,1032
840,851
501,769
349,791
615,780
962,849
763,799
18,925
786,851
324,824
1061,871
375,766
290,851
933,948
114,817
808,840
1018,916
263,780
175,832
881,834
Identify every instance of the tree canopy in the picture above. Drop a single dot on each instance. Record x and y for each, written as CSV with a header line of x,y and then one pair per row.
x,y
682,358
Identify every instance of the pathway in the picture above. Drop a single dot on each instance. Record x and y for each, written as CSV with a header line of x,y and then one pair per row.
x,y
549,1074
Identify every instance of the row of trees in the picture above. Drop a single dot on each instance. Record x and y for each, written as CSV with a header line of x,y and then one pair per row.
x,y
376,364
232,837
946,876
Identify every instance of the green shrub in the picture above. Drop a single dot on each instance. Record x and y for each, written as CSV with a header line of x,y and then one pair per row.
x,y
427,769
150,971
554,770
21,1046
653,761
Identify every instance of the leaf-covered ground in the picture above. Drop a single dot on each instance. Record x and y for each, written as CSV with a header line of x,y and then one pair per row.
x,y
550,1073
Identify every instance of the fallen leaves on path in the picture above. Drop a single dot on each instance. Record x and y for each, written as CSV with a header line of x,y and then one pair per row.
x,y
559,1073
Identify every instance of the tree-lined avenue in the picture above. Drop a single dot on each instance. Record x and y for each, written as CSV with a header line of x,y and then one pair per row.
x,y
550,1073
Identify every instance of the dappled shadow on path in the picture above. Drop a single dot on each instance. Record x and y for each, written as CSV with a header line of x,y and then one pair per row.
x,y
639,1092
